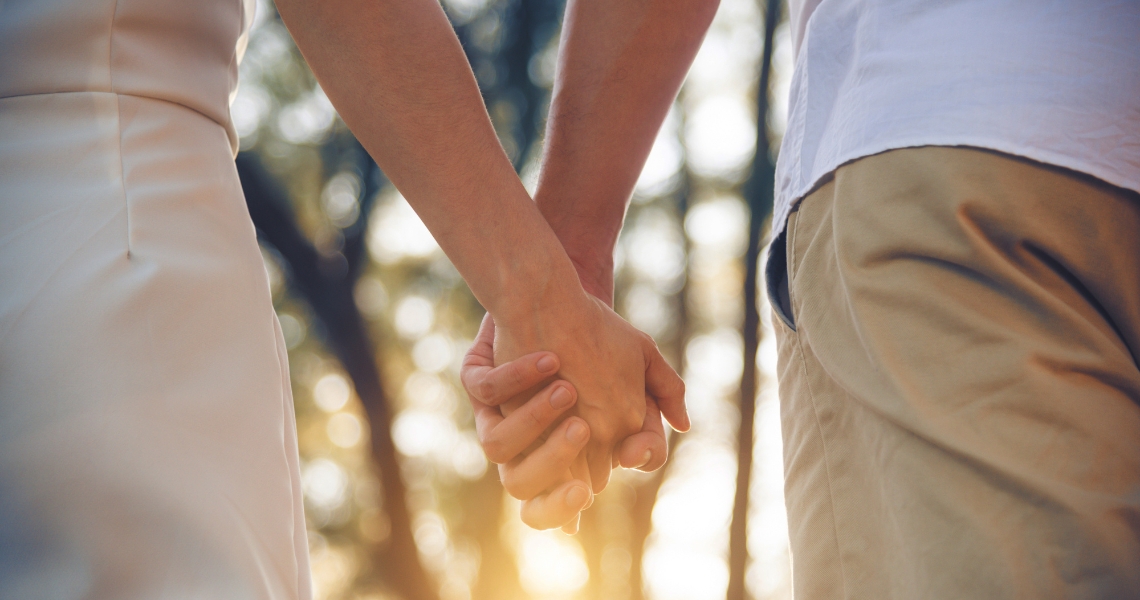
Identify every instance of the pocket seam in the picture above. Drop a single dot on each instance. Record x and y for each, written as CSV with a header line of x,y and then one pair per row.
x,y
783,313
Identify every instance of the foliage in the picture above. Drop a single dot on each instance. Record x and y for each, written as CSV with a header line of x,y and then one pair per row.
x,y
358,257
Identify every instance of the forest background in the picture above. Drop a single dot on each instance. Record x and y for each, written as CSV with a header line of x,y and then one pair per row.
x,y
399,499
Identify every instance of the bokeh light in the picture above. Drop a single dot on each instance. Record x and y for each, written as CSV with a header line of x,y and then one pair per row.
x,y
552,564
308,119
331,392
679,274
420,432
663,166
720,135
345,430
324,483
397,233
414,317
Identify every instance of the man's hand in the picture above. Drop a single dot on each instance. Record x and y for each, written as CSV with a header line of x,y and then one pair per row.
x,y
613,366
549,460
620,65
396,73
543,477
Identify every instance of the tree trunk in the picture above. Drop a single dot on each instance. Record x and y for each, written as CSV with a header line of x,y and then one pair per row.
x,y
642,522
759,190
326,283
592,538
498,570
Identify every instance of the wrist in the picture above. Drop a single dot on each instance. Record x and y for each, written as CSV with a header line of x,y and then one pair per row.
x,y
586,219
596,274
535,282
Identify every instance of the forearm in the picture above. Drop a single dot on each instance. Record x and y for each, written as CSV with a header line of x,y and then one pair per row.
x,y
398,77
621,63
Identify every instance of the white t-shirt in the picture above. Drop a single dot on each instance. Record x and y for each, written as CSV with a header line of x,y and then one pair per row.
x,y
1055,81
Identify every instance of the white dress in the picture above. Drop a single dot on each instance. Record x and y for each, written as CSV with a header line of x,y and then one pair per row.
x,y
147,441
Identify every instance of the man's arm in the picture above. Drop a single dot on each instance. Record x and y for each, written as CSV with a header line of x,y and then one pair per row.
x,y
620,65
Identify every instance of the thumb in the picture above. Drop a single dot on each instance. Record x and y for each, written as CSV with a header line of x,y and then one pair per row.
x,y
482,351
666,386
647,449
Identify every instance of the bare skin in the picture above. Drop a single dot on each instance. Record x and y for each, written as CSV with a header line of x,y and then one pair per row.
x,y
398,77
621,63
536,464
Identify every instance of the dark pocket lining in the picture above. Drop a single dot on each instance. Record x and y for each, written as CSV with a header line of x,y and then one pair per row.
x,y
776,280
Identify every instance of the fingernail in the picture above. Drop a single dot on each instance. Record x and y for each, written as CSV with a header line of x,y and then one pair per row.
x,y
561,398
571,528
576,432
547,364
577,496
645,460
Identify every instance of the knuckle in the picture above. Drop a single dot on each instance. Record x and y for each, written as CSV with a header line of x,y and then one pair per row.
x,y
510,482
533,418
495,450
564,452
516,489
483,390
577,446
534,518
515,373
602,434
633,420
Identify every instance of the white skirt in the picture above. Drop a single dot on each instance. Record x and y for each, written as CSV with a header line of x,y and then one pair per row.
x,y
147,439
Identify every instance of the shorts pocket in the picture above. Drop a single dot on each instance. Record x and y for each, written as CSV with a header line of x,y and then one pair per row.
x,y
776,280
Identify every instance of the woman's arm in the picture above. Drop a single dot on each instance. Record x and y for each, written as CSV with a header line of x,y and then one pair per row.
x,y
620,65
397,75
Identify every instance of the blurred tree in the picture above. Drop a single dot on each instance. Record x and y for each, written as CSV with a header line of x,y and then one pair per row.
x,y
498,575
443,534
646,491
506,44
502,41
641,520
326,281
758,190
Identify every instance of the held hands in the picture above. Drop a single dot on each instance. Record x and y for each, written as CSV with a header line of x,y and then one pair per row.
x,y
517,403
543,478
613,367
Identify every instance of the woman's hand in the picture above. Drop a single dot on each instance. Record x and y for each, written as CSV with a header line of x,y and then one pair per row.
x,y
543,477
613,366
520,438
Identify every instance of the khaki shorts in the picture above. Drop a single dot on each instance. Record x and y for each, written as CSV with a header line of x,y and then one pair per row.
x,y
959,333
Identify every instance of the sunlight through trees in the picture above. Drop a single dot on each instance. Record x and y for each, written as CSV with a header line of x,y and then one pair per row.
x,y
399,498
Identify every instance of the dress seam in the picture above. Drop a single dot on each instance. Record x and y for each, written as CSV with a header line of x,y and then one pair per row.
x,y
118,122
139,96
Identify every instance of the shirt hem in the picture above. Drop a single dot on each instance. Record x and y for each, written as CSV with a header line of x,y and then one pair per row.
x,y
785,201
